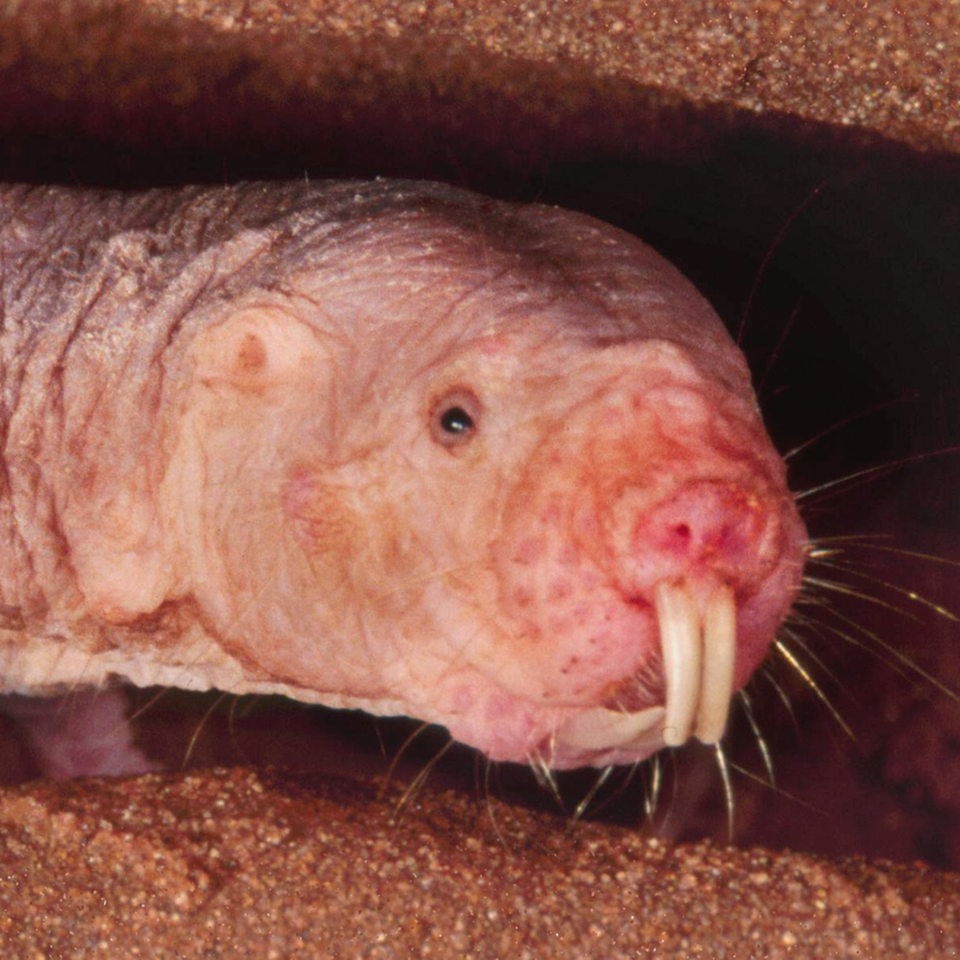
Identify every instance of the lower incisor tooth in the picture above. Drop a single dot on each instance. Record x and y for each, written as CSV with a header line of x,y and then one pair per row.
x,y
608,729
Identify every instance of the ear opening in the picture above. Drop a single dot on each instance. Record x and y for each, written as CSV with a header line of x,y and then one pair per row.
x,y
255,350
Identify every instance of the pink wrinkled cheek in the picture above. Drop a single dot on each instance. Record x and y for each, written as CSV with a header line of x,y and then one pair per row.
x,y
320,518
299,493
559,589
462,698
529,550
501,726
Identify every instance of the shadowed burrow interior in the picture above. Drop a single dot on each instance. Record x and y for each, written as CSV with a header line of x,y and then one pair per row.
x,y
831,253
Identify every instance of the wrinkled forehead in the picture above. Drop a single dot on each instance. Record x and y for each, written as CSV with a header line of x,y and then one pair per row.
x,y
423,266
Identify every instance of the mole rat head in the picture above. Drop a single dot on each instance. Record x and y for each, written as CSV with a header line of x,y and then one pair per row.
x,y
567,539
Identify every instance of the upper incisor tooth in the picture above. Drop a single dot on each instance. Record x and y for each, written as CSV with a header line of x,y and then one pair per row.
x,y
719,657
681,646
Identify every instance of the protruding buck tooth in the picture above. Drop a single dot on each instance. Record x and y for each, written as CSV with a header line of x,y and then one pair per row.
x,y
602,729
681,644
719,655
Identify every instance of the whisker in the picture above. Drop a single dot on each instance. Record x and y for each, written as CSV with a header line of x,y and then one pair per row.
x,y
151,702
798,641
855,539
546,776
395,762
758,737
488,767
783,696
585,802
905,552
845,590
848,481
774,355
843,424
660,782
725,778
198,729
419,781
910,595
235,714
875,640
652,794
781,647
842,562
842,484
750,775
768,256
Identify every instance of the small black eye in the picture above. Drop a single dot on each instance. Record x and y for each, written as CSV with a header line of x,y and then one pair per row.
x,y
455,418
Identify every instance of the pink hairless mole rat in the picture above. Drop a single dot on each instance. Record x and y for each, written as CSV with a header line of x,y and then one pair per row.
x,y
386,445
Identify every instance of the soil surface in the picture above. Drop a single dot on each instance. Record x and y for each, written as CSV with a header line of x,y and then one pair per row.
x,y
240,864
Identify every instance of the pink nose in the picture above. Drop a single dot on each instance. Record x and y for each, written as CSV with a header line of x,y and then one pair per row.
x,y
705,527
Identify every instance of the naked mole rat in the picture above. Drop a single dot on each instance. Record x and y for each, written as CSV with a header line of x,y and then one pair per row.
x,y
388,445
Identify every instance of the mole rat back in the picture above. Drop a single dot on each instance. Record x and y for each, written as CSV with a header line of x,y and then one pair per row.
x,y
386,445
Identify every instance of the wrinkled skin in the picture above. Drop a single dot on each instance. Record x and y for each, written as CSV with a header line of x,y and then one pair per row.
x,y
384,445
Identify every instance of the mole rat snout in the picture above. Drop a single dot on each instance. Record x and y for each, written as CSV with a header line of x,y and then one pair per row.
x,y
654,552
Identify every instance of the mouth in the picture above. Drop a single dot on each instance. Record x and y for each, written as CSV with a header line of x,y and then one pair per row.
x,y
697,630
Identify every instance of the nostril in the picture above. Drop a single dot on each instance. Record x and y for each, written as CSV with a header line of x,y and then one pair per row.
x,y
704,524
682,533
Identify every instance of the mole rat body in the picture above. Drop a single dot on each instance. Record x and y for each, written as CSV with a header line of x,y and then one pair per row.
x,y
384,445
